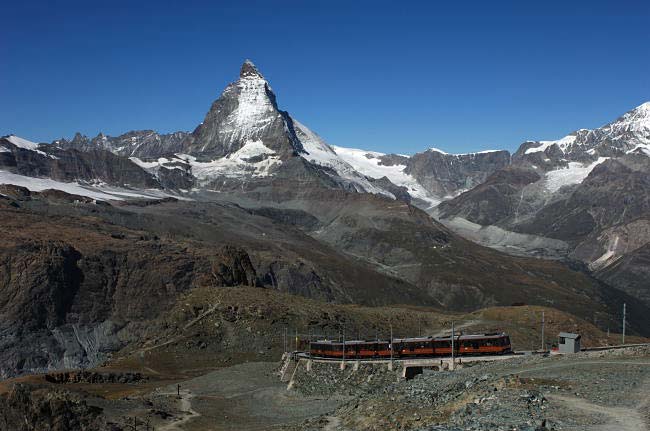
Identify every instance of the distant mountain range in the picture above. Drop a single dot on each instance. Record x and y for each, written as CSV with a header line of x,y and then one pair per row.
x,y
245,135
585,196
253,196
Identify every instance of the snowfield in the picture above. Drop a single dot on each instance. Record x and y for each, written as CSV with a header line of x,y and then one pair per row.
x,y
22,143
241,163
25,144
562,143
98,191
40,184
574,174
368,163
321,153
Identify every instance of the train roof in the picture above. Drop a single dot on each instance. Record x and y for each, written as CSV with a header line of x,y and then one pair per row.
x,y
419,339
350,341
473,336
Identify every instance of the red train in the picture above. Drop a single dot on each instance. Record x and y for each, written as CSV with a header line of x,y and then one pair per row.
x,y
485,344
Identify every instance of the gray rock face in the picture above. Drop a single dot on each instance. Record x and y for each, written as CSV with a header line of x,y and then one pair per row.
x,y
246,112
138,143
447,174
495,200
616,191
59,164
61,306
401,193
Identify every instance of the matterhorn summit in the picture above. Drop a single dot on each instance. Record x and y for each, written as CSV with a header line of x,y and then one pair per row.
x,y
245,114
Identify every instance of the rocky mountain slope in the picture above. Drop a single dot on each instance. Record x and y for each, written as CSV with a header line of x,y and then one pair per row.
x,y
80,279
21,157
590,190
137,143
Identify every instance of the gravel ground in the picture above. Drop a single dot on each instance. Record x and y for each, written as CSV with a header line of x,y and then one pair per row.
x,y
587,391
606,391
250,397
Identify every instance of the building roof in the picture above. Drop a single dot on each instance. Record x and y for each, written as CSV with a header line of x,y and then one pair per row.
x,y
569,335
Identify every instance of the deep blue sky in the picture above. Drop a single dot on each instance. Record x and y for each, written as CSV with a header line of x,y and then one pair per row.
x,y
389,76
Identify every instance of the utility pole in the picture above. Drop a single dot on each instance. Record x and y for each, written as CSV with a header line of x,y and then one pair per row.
x,y
624,322
344,344
296,340
543,347
284,339
391,345
452,344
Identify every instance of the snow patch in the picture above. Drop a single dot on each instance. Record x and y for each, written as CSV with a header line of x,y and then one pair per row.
x,y
322,154
575,173
40,184
239,164
544,145
367,162
154,165
96,190
22,143
27,145
437,150
641,149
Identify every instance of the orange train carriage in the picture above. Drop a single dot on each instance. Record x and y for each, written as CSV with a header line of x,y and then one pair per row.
x,y
464,345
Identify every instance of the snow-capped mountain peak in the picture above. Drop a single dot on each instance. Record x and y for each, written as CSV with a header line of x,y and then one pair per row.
x,y
630,133
245,112
636,121
249,70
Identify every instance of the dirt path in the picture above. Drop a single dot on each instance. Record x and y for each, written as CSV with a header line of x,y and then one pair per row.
x,y
619,418
185,407
250,396
333,424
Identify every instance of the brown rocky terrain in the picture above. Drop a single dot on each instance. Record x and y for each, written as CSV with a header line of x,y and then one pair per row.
x,y
211,338
80,280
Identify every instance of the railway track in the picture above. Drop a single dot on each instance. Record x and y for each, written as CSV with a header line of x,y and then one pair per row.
x,y
458,359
